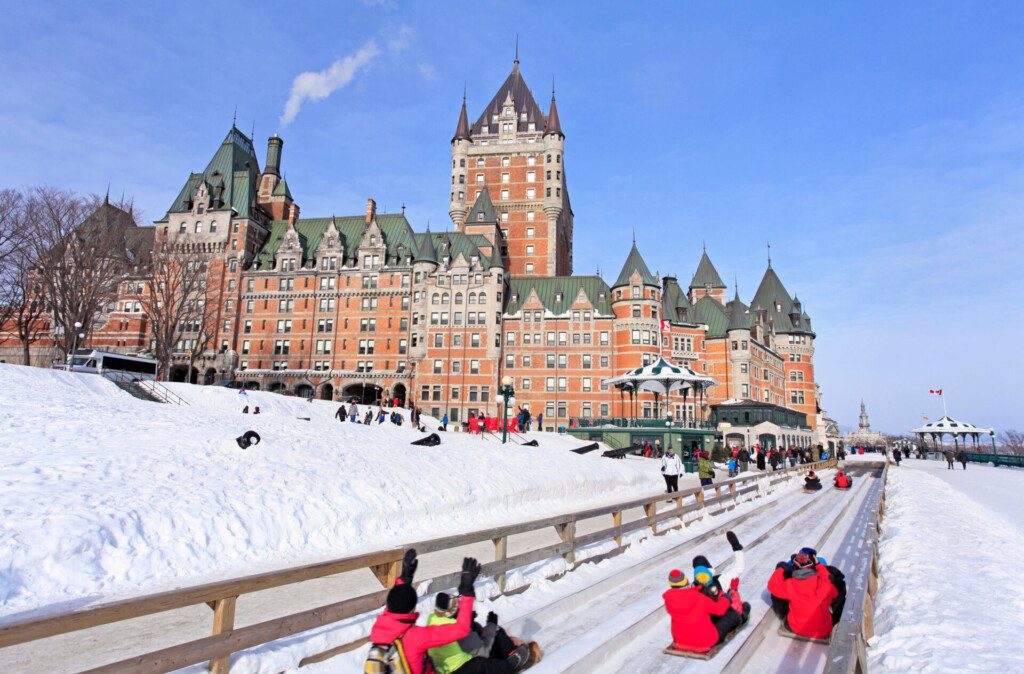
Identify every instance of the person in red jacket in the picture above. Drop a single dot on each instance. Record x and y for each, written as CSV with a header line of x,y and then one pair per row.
x,y
702,615
398,621
842,480
803,594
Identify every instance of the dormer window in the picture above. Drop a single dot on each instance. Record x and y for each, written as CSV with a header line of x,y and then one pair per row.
x,y
558,297
373,239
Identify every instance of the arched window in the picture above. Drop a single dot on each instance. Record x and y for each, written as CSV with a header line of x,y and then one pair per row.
x,y
472,298
199,227
183,228
458,298
482,298
445,297
435,299
213,227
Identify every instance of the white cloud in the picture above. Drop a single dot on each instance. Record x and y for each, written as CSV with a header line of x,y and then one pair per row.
x,y
318,85
401,39
427,71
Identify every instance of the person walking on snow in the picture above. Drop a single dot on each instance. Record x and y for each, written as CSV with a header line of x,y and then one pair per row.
x,y
705,469
949,458
671,469
398,621
961,456
353,412
444,422
341,413
760,458
897,456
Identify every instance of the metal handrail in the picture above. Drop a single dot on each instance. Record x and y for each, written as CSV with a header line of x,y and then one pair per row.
x,y
624,422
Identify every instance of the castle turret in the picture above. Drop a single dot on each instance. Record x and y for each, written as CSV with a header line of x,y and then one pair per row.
x,y
461,143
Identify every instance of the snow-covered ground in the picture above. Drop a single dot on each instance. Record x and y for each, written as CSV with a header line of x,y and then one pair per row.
x,y
104,495
951,560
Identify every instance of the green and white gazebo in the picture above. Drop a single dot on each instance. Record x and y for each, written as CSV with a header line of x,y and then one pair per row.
x,y
660,378
937,430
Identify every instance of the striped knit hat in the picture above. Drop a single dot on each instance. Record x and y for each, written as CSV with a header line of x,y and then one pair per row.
x,y
677,578
702,575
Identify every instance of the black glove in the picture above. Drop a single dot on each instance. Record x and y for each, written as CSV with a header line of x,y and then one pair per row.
x,y
409,564
470,570
733,541
492,618
783,565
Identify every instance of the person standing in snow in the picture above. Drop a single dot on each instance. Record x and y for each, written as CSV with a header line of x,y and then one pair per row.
x,y
257,410
744,458
705,469
961,456
760,458
398,621
444,422
341,413
245,410
897,456
353,412
949,458
540,421
671,469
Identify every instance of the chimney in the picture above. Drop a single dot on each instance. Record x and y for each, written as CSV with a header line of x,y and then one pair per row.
x,y
371,210
274,148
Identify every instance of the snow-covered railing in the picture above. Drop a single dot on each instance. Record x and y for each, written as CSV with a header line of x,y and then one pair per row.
x,y
848,649
221,596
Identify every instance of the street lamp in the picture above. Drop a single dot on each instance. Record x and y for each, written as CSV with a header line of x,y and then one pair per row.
x,y
505,391
992,435
74,343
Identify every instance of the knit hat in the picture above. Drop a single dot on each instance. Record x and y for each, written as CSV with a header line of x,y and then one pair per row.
x,y
677,578
444,604
802,560
401,599
701,560
702,575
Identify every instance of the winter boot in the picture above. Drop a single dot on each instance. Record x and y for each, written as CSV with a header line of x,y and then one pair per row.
x,y
519,658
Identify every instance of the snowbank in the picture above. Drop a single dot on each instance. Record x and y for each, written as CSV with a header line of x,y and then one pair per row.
x,y
104,495
951,592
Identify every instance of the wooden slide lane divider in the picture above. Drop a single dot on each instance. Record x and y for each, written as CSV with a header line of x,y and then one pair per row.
x,y
385,565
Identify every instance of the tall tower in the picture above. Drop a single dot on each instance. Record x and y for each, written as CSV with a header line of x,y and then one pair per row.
x,y
515,151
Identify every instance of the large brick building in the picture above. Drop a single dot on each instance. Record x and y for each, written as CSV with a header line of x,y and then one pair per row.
x,y
364,306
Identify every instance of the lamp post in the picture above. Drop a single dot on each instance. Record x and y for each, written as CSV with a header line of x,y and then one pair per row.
x,y
74,342
992,435
505,391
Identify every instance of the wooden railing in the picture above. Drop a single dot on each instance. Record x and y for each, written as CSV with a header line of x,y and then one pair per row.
x,y
221,596
848,650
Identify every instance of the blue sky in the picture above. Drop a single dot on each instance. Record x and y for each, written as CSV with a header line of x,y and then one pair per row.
x,y
879,146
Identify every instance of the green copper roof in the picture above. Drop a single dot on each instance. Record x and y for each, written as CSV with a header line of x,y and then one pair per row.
x,y
711,313
235,164
772,296
635,264
706,274
548,289
739,314
483,208
395,230
425,249
282,189
675,306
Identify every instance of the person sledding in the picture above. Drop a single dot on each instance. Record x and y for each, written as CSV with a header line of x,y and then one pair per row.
x,y
842,480
812,482
703,616
808,595
487,649
398,644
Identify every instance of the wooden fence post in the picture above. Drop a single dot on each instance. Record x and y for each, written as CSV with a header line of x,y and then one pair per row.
x,y
387,573
679,507
651,509
500,554
223,621
617,522
567,532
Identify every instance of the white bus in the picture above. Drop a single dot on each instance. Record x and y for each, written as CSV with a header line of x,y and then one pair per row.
x,y
105,363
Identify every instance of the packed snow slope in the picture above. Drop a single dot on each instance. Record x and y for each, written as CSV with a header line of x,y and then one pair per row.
x,y
103,495
951,563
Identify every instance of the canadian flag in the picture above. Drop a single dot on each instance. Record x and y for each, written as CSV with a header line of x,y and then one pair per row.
x,y
664,325
936,391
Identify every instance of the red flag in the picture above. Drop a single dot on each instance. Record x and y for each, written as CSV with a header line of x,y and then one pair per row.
x,y
936,391
664,325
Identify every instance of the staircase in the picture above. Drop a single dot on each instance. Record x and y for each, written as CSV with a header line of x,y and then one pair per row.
x,y
145,389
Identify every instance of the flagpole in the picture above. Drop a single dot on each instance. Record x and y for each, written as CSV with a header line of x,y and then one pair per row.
x,y
943,396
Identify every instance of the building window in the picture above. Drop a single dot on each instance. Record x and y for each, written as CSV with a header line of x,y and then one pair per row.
x,y
504,195
531,193
529,267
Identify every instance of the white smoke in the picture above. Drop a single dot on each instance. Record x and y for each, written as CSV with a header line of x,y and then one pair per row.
x,y
318,85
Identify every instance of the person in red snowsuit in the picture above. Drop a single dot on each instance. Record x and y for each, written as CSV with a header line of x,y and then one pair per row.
x,y
842,480
803,594
702,615
398,621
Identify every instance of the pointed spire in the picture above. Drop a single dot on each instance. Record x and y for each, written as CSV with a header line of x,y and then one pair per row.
x,y
106,199
515,63
496,259
635,264
554,126
706,274
234,119
462,128
483,209
769,254
425,251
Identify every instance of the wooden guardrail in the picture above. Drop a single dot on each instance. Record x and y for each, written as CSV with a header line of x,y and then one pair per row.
x,y
222,595
848,649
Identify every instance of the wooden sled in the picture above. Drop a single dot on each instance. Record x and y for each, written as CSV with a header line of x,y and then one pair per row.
x,y
786,632
671,650
811,491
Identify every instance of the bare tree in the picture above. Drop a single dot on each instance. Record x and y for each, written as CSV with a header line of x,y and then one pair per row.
x,y
206,317
1011,441
81,250
22,303
174,296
